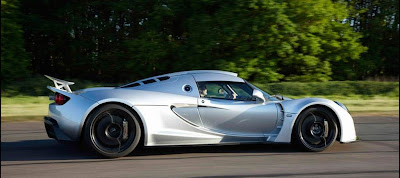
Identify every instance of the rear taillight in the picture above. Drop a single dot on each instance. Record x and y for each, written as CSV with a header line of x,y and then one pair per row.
x,y
61,99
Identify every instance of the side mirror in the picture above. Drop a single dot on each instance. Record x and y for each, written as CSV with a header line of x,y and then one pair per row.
x,y
258,95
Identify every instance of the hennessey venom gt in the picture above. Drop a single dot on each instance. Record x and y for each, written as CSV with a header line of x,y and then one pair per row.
x,y
191,108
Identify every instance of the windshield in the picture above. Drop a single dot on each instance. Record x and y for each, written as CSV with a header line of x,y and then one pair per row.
x,y
266,95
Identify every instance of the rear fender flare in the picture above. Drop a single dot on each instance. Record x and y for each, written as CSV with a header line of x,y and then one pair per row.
x,y
115,101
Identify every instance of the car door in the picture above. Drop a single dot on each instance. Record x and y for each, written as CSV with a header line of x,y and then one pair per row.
x,y
228,107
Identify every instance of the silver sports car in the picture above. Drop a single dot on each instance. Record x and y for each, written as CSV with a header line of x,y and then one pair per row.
x,y
191,108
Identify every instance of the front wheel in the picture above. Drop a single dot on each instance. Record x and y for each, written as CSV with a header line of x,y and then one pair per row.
x,y
112,131
315,129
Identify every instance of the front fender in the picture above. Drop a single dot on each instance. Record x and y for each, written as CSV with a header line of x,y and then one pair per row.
x,y
293,108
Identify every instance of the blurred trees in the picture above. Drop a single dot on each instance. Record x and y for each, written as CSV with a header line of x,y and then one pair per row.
x,y
270,40
262,40
14,59
378,21
323,40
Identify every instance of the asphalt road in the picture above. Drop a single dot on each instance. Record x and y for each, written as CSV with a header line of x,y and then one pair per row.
x,y
27,152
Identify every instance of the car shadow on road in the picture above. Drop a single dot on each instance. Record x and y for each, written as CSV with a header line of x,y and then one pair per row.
x,y
48,149
242,148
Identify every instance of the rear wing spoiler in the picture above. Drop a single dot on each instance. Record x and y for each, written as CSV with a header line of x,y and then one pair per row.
x,y
61,84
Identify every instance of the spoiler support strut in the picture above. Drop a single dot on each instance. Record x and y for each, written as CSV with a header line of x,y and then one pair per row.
x,y
61,84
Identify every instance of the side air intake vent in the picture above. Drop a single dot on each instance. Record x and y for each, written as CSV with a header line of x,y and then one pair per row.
x,y
163,78
149,81
131,85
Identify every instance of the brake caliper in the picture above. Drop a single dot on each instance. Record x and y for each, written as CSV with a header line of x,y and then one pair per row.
x,y
125,130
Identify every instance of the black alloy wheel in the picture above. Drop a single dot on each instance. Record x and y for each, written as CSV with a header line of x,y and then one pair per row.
x,y
315,129
112,131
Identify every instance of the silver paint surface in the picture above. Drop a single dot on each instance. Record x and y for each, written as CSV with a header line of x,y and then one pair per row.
x,y
238,117
173,116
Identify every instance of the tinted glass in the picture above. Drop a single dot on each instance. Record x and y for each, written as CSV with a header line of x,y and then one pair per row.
x,y
226,90
214,90
243,91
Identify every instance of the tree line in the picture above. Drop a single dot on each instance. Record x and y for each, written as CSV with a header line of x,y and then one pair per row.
x,y
262,40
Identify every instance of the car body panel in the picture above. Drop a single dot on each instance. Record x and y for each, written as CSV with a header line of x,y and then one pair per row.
x,y
238,117
293,108
172,115
71,116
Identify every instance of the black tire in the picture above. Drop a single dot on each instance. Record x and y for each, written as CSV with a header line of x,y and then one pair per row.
x,y
104,131
315,129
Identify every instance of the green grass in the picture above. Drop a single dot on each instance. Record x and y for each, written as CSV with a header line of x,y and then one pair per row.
x,y
336,88
365,105
27,99
30,108
24,106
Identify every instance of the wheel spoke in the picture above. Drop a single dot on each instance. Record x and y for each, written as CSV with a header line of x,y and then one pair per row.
x,y
316,129
307,123
113,131
305,130
315,118
119,144
311,139
112,119
323,138
109,130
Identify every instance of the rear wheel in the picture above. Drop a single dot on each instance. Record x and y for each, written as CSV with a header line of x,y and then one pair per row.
x,y
112,131
315,129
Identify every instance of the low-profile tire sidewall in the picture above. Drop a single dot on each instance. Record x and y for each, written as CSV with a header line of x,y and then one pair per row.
x,y
297,140
87,131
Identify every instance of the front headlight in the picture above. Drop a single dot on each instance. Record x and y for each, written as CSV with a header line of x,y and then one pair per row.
x,y
342,105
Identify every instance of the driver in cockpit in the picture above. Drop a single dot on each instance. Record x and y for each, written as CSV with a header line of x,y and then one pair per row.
x,y
202,90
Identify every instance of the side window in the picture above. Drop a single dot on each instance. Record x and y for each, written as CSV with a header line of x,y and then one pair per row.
x,y
243,91
225,90
212,90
